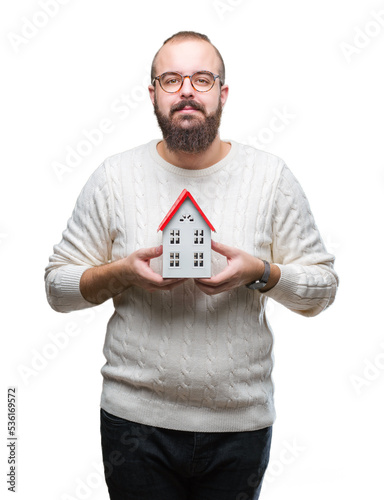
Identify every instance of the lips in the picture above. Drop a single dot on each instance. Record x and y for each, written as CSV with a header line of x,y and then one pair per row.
x,y
187,107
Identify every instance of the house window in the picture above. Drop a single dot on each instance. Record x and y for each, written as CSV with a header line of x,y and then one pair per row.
x,y
198,259
198,237
174,237
174,259
186,218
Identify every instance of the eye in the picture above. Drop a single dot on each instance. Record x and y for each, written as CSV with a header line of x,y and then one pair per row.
x,y
171,79
203,79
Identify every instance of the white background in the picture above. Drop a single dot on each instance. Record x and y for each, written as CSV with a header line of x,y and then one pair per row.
x,y
309,61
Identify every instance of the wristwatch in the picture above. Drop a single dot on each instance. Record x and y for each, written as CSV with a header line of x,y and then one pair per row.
x,y
256,285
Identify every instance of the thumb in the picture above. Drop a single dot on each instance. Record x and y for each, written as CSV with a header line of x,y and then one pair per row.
x,y
222,249
150,253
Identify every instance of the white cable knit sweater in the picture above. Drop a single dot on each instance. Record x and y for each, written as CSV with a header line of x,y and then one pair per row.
x,y
181,359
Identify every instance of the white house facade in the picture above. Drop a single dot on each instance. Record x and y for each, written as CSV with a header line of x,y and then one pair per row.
x,y
186,240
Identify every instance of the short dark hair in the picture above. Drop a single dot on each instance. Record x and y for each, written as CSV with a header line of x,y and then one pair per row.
x,y
190,35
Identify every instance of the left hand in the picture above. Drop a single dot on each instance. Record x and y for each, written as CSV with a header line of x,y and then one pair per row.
x,y
242,268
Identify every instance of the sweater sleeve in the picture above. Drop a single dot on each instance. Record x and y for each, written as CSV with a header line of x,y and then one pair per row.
x,y
308,282
86,242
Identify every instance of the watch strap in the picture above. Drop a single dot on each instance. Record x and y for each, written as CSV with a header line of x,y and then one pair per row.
x,y
256,285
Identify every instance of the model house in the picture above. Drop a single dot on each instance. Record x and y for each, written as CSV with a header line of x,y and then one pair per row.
x,y
186,240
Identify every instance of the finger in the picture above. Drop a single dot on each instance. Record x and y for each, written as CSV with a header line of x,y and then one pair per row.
x,y
222,249
223,277
166,285
174,284
149,275
149,253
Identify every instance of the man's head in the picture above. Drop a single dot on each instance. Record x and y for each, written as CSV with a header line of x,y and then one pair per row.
x,y
190,35
188,118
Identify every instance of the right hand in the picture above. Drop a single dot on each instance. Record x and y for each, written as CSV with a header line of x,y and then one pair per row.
x,y
138,272
101,283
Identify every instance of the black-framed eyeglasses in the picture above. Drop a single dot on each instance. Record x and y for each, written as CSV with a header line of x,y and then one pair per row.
x,y
201,81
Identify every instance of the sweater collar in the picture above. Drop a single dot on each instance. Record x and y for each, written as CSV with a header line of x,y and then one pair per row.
x,y
188,172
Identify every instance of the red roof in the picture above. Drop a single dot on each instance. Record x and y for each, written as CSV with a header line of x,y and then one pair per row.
x,y
176,206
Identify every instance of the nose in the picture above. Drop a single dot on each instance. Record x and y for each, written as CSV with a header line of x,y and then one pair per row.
x,y
187,90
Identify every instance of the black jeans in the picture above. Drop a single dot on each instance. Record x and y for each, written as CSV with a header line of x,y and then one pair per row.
x,y
151,463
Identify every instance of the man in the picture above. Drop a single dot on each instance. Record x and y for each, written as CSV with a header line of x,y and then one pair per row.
x,y
187,402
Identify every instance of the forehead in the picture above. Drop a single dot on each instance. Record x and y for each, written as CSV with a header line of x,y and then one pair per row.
x,y
187,56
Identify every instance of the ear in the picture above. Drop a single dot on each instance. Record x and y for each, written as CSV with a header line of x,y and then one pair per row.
x,y
151,90
224,94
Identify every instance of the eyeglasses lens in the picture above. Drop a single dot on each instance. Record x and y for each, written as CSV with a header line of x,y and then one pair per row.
x,y
201,81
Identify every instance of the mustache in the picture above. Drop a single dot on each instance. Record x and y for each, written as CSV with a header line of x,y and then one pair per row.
x,y
181,105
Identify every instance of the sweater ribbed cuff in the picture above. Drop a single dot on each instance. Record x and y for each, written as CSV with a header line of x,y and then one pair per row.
x,y
286,286
64,291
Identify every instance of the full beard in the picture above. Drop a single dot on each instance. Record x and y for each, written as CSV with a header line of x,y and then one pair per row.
x,y
195,138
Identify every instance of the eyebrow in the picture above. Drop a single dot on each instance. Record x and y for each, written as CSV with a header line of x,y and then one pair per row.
x,y
178,71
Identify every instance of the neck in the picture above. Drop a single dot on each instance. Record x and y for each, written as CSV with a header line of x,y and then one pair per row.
x,y
195,161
